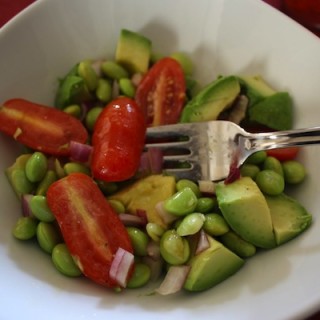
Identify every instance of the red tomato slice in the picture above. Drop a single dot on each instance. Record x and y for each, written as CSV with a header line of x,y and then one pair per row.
x,y
161,93
118,141
284,154
90,227
39,127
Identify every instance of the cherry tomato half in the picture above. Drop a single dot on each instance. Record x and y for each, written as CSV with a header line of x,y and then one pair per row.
x,y
284,154
161,93
118,141
90,227
39,127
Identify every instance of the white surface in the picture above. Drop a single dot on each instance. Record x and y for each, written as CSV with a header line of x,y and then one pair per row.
x,y
228,37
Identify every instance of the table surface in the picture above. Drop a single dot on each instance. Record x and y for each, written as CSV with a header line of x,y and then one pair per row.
x,y
9,8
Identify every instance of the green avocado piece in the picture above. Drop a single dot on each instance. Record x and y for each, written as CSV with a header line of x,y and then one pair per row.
x,y
212,100
211,267
255,88
245,209
275,111
289,217
133,51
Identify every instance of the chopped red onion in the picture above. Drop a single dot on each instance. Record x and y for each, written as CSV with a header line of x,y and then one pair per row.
x,y
131,220
174,280
136,79
96,65
166,216
207,187
142,214
120,267
153,250
115,89
203,242
25,201
151,161
79,151
156,267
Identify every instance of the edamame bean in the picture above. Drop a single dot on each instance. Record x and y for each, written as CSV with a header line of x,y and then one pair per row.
x,y
294,171
117,205
174,249
107,188
257,157
205,204
249,170
64,262
25,228
182,202
74,110
139,241
114,70
75,167
20,183
127,88
185,183
87,73
40,209
48,236
48,179
215,224
270,182
191,224
140,277
104,90
36,167
154,231
92,117
272,163
237,245
184,61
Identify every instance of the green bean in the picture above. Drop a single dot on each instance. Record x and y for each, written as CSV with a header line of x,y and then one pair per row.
x,y
236,244
215,224
48,179
185,62
75,167
117,205
104,90
294,171
139,240
36,167
140,277
48,236
272,163
114,70
40,209
249,170
205,204
74,110
174,249
64,262
182,202
127,88
88,74
191,224
270,182
185,183
257,157
154,231
92,117
25,228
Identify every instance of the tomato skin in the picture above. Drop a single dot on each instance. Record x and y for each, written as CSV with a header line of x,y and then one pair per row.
x,y
118,141
161,93
40,127
90,227
284,154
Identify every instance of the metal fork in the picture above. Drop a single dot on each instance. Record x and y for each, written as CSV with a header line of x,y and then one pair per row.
x,y
207,150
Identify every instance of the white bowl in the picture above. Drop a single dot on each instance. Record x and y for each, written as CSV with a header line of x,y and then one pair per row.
x,y
223,37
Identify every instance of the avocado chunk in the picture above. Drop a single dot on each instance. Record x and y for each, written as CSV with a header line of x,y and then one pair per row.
x,y
133,51
275,111
246,210
212,100
289,217
211,267
255,88
145,194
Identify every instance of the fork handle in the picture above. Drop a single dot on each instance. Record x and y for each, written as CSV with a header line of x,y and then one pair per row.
x,y
282,139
